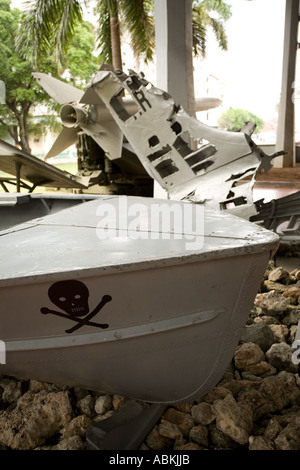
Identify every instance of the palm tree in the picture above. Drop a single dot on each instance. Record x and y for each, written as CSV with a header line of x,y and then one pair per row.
x,y
138,19
48,25
209,14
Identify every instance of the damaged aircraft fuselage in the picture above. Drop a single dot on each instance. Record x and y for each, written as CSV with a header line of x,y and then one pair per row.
x,y
189,159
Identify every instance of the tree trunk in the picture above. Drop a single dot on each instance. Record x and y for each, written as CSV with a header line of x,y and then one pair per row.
x,y
22,140
115,42
13,132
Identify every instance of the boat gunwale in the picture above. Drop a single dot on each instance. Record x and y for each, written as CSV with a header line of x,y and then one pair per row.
x,y
153,263
116,334
257,241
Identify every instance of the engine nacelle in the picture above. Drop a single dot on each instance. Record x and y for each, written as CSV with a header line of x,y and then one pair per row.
x,y
72,115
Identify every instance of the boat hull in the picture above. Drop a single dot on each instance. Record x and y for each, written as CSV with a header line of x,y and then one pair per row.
x,y
171,333
152,311
17,208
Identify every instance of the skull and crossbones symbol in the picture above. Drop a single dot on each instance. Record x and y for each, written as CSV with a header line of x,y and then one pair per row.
x,y
72,297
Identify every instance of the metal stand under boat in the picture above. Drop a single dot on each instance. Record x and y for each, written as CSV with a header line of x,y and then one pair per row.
x,y
126,429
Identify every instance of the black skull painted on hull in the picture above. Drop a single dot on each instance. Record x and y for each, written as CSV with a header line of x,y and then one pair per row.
x,y
70,296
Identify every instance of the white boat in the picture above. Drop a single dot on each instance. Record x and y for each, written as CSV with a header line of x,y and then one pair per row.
x,y
16,208
102,296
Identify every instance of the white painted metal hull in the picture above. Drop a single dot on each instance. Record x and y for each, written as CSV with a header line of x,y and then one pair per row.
x,y
172,317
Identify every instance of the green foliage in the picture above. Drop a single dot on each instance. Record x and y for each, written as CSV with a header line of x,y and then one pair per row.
x,y
45,23
49,25
136,17
139,19
103,33
22,90
16,73
79,58
209,14
37,128
52,37
235,119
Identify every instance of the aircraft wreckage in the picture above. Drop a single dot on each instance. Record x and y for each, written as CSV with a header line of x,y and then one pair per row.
x,y
130,133
193,161
101,291
189,159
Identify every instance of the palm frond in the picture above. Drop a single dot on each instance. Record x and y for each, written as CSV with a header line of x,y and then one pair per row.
x,y
34,33
200,20
220,7
220,33
69,16
209,14
46,27
139,20
112,6
103,37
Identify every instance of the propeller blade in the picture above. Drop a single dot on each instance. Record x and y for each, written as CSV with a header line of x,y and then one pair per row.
x,y
62,92
66,138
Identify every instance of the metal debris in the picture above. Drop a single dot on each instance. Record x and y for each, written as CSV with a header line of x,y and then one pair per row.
x,y
282,216
125,429
189,159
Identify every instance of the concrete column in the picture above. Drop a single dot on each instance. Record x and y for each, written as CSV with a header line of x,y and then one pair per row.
x,y
286,119
174,56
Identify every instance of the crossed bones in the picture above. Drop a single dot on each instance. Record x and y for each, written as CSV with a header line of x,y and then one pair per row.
x,y
83,321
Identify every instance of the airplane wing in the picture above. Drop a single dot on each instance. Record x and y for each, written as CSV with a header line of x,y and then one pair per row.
x,y
60,91
24,166
66,138
82,111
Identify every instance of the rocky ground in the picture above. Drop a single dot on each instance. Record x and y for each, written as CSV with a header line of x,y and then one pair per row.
x,y
256,406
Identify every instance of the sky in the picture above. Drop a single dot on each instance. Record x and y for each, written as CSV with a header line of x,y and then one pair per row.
x,y
250,71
